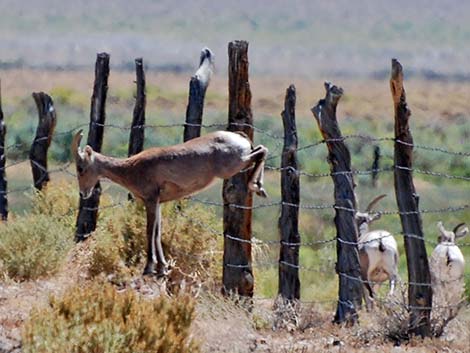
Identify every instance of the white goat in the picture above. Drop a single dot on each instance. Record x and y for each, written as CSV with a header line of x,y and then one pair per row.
x,y
447,266
378,253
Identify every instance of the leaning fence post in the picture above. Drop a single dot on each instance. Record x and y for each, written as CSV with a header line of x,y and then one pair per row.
x,y
3,154
289,283
197,91
419,289
237,272
137,135
347,267
88,209
42,141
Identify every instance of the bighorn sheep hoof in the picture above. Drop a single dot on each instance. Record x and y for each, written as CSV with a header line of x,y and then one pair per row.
x,y
150,269
163,271
261,192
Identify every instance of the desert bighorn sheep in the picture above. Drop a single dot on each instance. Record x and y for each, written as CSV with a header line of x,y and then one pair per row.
x,y
447,266
163,174
378,253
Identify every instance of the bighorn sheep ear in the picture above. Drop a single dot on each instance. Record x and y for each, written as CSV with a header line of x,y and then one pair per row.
x,y
442,232
89,153
375,216
462,232
441,228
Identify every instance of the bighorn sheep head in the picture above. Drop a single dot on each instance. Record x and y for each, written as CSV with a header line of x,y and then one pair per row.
x,y
84,160
447,236
363,219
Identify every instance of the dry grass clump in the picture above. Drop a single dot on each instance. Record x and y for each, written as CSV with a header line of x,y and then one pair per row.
x,y
98,318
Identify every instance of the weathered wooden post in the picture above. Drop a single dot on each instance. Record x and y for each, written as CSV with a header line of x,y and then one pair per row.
x,y
38,152
375,166
3,155
136,138
137,135
289,282
347,267
419,288
88,209
238,273
197,91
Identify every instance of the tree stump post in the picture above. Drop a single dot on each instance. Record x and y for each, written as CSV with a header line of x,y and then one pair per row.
x,y
3,155
88,209
137,134
289,282
238,272
197,92
419,289
38,152
347,267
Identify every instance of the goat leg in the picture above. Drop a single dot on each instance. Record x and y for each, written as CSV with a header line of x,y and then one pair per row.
x,y
258,156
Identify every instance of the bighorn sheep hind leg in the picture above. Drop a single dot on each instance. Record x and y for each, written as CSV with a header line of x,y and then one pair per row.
x,y
258,156
156,263
162,266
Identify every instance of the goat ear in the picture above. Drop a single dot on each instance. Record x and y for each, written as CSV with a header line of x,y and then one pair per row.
x,y
89,153
441,228
461,233
375,216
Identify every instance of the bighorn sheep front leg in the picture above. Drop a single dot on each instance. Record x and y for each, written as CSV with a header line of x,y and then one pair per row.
x,y
257,156
156,263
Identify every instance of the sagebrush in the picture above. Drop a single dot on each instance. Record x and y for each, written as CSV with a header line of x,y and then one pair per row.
x,y
97,318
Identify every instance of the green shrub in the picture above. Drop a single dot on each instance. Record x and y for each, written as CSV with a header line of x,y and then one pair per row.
x,y
33,246
119,245
58,200
97,318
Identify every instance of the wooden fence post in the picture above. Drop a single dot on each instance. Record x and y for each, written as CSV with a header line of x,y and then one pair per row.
x,y
136,138
42,141
347,266
137,134
197,91
419,289
88,209
289,282
3,155
375,166
237,272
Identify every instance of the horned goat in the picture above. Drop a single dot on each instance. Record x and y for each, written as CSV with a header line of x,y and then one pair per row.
x,y
163,174
378,253
447,266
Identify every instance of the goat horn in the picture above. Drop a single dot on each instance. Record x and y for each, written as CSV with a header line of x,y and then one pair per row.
x,y
457,227
76,145
374,201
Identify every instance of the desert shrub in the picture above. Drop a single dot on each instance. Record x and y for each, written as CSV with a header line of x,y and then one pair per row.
x,y
119,242
33,246
58,200
97,318
190,237
119,245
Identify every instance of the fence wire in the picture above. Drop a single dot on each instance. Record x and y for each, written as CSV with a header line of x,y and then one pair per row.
x,y
320,243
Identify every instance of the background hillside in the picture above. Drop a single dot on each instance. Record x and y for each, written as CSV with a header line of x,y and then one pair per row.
x,y
302,37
